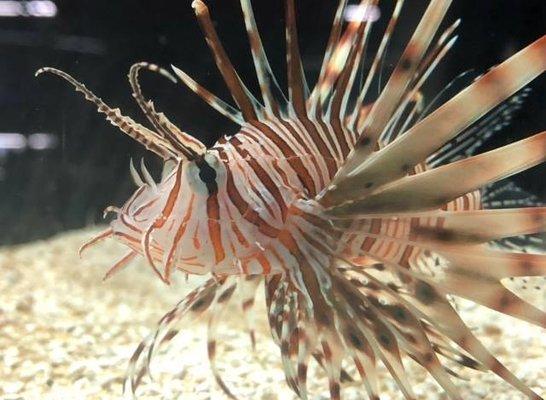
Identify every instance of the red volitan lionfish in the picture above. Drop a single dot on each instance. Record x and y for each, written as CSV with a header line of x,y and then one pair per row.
x,y
353,209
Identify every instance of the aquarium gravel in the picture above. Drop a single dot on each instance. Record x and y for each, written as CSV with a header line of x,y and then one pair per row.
x,y
66,335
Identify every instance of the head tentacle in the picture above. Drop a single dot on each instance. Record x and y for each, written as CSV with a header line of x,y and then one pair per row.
x,y
149,139
185,144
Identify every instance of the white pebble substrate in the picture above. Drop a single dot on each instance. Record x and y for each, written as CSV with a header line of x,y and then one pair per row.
x,y
64,334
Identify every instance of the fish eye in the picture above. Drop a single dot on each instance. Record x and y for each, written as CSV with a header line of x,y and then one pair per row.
x,y
207,173
204,174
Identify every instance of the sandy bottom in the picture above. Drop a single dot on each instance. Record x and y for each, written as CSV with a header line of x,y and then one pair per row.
x,y
64,334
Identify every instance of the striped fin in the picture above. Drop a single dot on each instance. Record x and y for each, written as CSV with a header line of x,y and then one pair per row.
x,y
193,305
181,141
306,342
297,86
288,330
336,64
444,231
379,335
276,300
446,122
217,311
355,117
482,226
507,194
431,305
466,143
401,77
535,243
274,296
434,188
240,93
333,39
471,259
266,77
219,105
427,300
438,312
332,363
149,139
473,275
421,75
346,80
248,286
417,345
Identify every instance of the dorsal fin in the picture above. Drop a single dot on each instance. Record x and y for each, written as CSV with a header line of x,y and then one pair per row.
x,y
265,75
238,90
296,77
219,105
368,172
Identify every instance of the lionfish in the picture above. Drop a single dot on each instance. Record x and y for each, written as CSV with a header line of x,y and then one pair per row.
x,y
362,215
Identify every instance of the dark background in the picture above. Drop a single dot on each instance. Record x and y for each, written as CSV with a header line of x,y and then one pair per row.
x,y
44,192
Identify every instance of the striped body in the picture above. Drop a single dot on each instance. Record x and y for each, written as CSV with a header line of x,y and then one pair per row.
x,y
226,231
261,174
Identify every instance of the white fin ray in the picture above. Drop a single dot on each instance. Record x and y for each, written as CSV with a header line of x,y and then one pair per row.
x,y
394,161
434,188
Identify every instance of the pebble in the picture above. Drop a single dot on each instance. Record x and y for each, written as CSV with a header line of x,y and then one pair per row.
x,y
13,387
